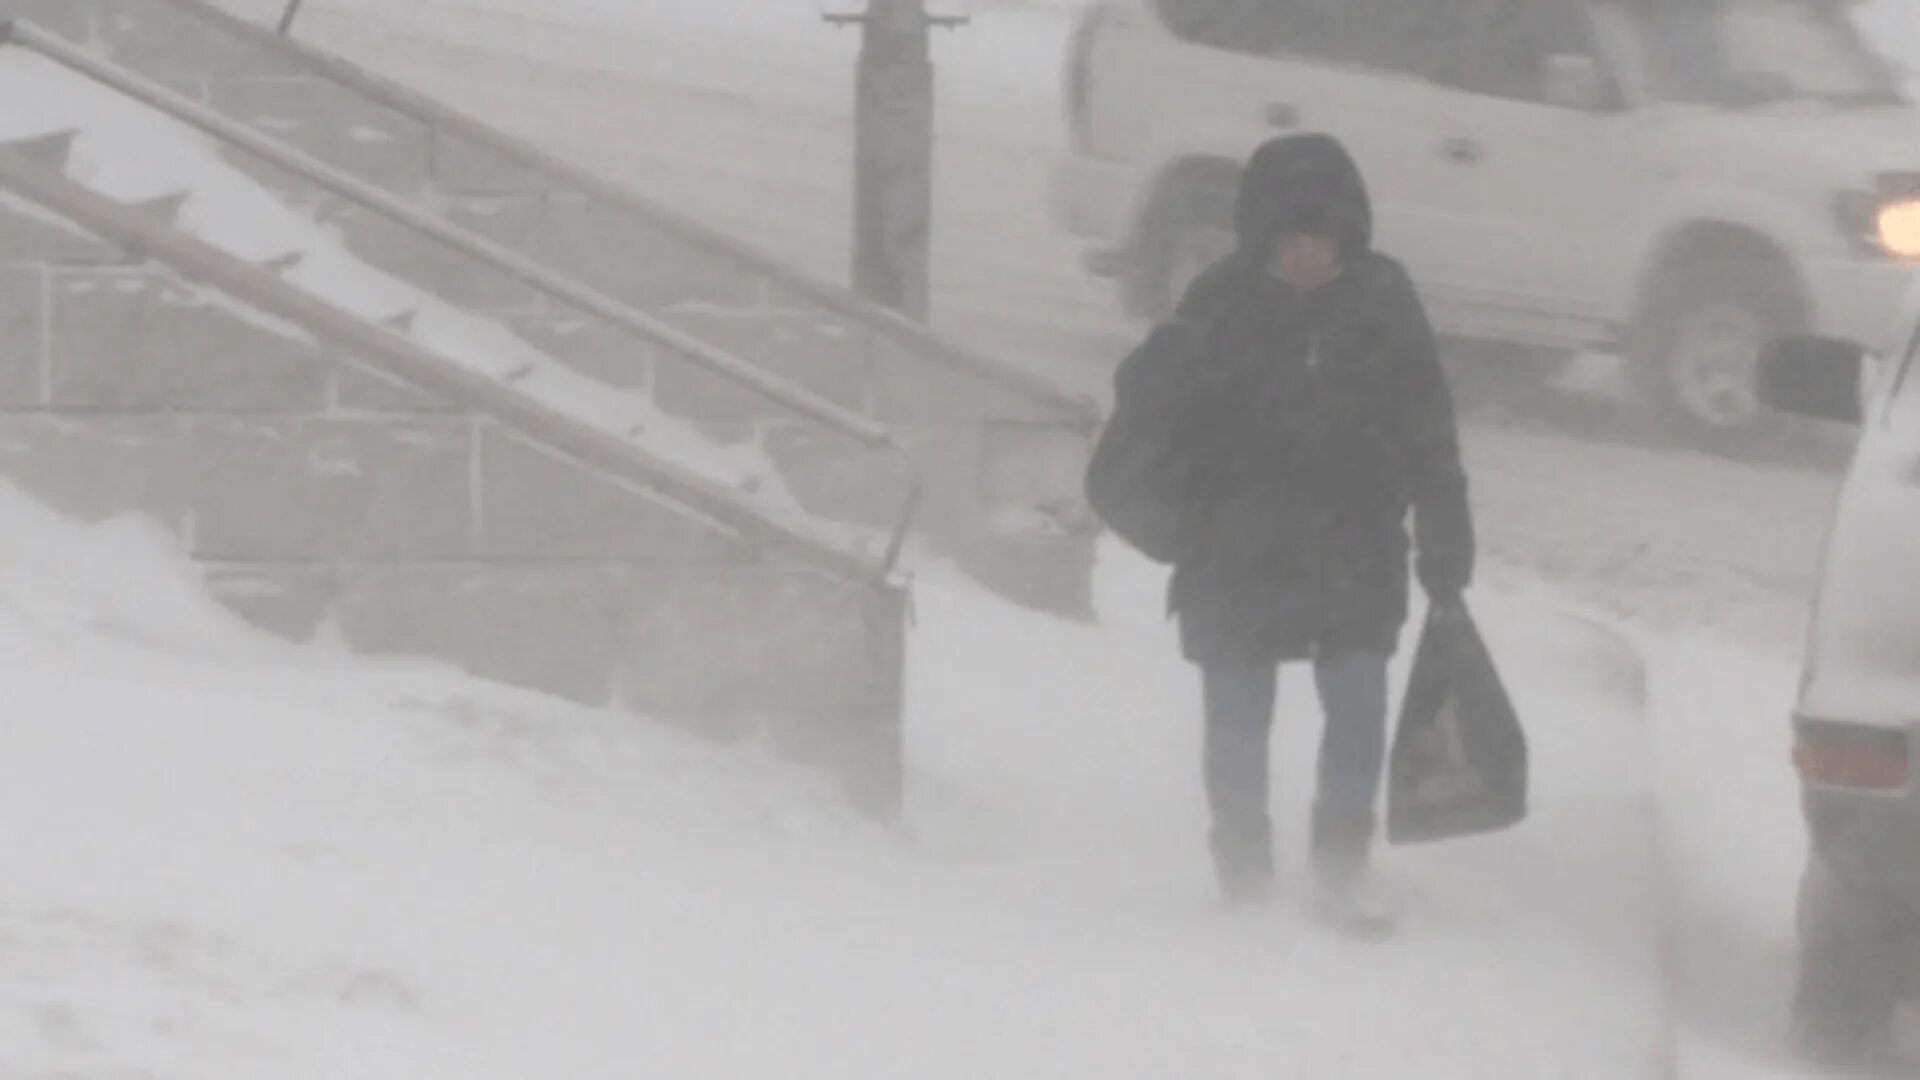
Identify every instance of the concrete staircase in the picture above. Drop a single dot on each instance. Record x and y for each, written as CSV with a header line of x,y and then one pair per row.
x,y
1000,451
402,462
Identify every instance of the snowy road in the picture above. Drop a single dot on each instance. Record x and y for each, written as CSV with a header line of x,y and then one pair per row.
x,y
737,111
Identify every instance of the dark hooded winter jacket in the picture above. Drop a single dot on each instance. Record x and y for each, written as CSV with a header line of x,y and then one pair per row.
x,y
1306,427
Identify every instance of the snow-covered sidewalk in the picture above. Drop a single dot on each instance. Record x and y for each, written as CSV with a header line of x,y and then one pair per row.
x,y
228,858
1736,844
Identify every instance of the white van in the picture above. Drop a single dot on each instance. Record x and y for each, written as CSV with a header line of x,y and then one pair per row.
x,y
1673,180
1858,717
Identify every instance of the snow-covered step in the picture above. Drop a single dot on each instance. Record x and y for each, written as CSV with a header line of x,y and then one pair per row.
x,y
51,149
164,208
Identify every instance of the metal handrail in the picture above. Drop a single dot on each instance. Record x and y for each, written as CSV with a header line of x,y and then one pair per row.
x,y
402,358
1079,411
725,365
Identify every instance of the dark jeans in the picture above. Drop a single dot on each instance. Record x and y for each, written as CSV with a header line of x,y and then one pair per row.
x,y
1239,718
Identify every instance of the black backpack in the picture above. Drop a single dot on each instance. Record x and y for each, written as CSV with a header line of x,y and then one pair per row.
x,y
1135,482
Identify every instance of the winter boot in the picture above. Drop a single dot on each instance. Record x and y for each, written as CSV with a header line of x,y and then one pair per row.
x,y
1243,861
1345,894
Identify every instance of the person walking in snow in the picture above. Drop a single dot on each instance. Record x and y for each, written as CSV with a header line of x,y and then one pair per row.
x,y
1303,411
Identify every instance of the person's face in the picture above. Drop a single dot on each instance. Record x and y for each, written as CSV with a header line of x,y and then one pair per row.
x,y
1306,260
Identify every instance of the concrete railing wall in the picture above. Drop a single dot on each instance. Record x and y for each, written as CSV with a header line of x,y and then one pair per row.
x,y
1000,453
321,495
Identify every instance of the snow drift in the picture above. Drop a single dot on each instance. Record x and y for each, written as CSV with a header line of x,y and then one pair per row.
x,y
225,856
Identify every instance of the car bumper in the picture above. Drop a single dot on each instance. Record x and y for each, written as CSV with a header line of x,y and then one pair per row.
x,y
1871,842
1093,198
1859,300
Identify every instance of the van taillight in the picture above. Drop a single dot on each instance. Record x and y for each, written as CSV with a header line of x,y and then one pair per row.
x,y
1077,93
1852,756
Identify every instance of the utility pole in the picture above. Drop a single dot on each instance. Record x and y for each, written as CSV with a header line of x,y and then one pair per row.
x,y
893,153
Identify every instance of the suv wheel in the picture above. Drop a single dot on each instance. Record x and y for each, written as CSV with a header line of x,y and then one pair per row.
x,y
1189,228
1699,350
1850,978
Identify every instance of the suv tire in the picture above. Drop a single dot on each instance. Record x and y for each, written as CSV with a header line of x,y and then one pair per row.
x,y
1188,227
1850,978
1697,355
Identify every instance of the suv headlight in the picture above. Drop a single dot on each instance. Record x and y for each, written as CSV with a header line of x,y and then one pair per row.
x,y
1899,228
1886,222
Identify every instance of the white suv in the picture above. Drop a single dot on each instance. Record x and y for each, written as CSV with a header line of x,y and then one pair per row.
x,y
1675,181
1857,722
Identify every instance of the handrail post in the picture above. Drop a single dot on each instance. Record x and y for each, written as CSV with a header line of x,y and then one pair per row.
x,y
286,19
909,513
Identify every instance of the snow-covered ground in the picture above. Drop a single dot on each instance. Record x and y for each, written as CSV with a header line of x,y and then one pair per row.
x,y
1734,844
233,858
226,857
